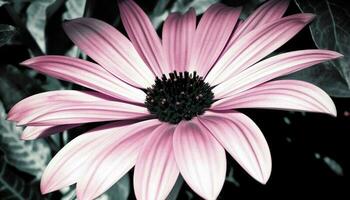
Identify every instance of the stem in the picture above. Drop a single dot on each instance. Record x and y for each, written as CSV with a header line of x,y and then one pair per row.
x,y
25,34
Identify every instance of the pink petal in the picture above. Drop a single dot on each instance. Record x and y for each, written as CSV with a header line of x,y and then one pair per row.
x,y
178,34
34,132
271,68
256,45
111,49
86,74
240,136
200,158
268,12
156,169
114,159
70,162
78,113
281,94
30,105
211,36
143,36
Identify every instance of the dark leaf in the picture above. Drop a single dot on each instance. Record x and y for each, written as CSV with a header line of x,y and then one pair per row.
x,y
13,186
6,33
28,156
330,30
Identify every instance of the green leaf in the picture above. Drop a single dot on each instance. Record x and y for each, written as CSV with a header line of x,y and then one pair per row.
x,y
14,187
176,189
249,6
119,190
36,20
330,30
160,12
6,33
28,156
75,9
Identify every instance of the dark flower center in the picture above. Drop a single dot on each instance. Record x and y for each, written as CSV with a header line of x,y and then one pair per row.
x,y
178,97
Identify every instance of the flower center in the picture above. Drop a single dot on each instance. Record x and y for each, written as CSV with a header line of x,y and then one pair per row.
x,y
178,97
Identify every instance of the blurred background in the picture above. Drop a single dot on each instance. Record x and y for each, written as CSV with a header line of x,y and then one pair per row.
x,y
310,152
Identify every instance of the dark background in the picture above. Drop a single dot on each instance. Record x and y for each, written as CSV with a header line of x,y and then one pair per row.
x,y
309,151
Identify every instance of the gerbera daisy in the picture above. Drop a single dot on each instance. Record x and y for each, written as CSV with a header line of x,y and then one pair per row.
x,y
171,103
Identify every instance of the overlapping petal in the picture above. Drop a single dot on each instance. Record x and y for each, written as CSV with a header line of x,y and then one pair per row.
x,y
256,45
87,74
143,36
240,136
200,158
34,132
156,170
281,94
211,36
114,159
268,12
72,107
178,34
111,49
271,68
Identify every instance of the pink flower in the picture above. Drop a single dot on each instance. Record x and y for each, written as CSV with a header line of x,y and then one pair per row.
x,y
171,103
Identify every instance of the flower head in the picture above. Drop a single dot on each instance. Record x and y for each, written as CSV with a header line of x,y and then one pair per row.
x,y
171,104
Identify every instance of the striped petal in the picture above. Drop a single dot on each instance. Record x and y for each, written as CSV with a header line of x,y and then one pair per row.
x,y
211,36
69,163
156,170
111,49
34,132
271,68
114,159
178,34
240,136
72,107
268,12
281,94
78,113
200,158
87,74
256,45
30,105
143,36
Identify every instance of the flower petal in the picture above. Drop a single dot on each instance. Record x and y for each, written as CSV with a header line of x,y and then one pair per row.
x,y
200,158
86,74
256,45
114,160
281,94
240,136
178,34
30,105
268,12
78,113
34,132
211,36
70,162
156,170
111,49
271,68
143,36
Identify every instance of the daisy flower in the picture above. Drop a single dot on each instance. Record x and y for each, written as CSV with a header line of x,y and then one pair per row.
x,y
170,104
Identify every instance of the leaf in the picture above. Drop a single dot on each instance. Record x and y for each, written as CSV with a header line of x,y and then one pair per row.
x,y
249,6
36,20
160,13
119,190
330,30
14,187
75,9
2,3
28,156
176,189
6,33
